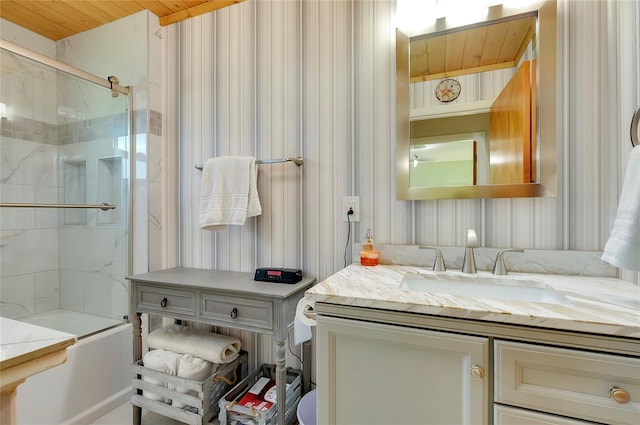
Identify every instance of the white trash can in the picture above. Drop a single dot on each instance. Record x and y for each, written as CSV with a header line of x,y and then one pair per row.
x,y
307,409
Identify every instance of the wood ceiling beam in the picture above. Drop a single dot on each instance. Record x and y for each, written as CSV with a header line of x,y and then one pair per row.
x,y
154,6
201,9
175,5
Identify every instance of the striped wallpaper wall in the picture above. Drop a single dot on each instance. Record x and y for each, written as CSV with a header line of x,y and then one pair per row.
x,y
316,79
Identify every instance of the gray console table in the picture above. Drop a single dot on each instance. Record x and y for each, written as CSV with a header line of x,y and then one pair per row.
x,y
221,298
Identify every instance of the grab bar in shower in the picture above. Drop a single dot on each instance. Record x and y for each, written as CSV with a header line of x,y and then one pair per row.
x,y
103,206
298,161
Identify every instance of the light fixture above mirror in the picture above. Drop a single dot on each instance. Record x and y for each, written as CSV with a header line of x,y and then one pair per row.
x,y
520,39
416,16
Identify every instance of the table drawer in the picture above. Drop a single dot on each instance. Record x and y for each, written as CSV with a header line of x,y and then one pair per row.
x,y
574,383
153,299
237,312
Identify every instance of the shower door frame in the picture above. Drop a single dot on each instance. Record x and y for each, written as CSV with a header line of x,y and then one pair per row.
x,y
127,90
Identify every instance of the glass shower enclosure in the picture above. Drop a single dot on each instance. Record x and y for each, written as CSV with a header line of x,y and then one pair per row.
x,y
64,195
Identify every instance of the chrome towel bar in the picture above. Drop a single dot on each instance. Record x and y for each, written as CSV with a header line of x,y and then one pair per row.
x,y
298,161
103,206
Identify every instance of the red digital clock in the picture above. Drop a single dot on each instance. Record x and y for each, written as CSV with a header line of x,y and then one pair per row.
x,y
279,275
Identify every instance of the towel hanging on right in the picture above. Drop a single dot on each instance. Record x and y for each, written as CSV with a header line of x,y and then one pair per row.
x,y
623,247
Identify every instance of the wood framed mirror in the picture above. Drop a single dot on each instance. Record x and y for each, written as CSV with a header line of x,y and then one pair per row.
x,y
506,66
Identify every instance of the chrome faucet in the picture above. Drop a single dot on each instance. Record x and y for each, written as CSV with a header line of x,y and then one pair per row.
x,y
438,264
469,261
500,268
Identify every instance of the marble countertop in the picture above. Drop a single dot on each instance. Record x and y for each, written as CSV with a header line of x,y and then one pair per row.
x,y
22,342
601,305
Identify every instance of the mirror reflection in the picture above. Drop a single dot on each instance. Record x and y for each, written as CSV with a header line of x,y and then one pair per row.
x,y
468,117
449,134
445,163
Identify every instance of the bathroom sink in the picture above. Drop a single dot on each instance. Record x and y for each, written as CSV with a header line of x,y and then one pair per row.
x,y
499,288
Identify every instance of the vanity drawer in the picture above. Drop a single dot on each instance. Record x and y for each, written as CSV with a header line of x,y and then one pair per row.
x,y
160,300
504,415
568,382
246,313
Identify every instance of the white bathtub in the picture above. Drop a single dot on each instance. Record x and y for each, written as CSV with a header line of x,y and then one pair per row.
x,y
94,380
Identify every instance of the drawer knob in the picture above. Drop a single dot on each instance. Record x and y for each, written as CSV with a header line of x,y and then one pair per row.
x,y
619,395
234,313
477,372
163,303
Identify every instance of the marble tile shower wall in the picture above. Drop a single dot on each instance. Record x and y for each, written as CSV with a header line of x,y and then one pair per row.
x,y
33,280
28,237
49,262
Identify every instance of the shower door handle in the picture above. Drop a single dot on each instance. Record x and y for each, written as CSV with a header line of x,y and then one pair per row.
x,y
163,303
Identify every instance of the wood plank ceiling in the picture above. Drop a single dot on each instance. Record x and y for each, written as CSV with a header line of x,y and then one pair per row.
x,y
479,49
58,19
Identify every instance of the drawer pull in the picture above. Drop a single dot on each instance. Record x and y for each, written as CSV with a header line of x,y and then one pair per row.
x,y
477,372
163,303
234,313
619,395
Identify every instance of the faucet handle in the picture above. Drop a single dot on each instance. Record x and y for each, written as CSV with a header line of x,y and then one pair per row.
x,y
438,264
472,239
500,268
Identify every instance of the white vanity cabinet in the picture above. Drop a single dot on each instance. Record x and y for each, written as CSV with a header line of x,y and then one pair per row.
x,y
372,373
389,367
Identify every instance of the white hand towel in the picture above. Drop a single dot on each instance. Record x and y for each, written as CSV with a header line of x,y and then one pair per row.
x,y
623,247
195,369
206,345
228,192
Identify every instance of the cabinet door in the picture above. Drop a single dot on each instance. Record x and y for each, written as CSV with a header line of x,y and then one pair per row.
x,y
370,373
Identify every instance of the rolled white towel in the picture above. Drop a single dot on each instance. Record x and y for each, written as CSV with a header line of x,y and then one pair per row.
x,y
206,345
195,369
162,361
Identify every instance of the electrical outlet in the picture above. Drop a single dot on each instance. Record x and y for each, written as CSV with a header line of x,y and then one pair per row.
x,y
353,203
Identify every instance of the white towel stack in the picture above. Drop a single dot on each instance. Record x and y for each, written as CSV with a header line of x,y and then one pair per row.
x,y
228,192
175,364
623,247
187,353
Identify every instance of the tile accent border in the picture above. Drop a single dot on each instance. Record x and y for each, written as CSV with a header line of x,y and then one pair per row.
x,y
79,131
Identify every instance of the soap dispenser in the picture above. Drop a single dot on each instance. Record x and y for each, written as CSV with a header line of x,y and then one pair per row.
x,y
368,254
